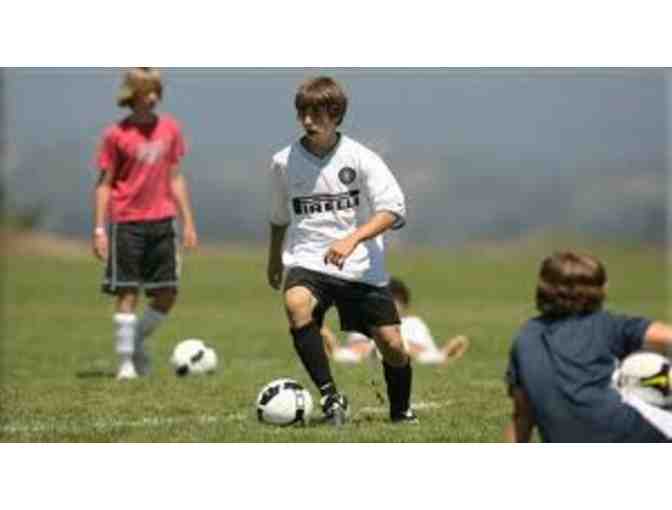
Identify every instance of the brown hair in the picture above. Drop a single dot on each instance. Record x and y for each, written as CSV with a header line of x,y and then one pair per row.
x,y
139,80
571,283
322,93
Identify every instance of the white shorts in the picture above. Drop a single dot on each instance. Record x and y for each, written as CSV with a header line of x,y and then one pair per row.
x,y
355,337
431,357
347,355
659,418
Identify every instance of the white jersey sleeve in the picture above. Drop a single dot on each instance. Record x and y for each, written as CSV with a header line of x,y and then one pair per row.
x,y
415,331
382,190
279,196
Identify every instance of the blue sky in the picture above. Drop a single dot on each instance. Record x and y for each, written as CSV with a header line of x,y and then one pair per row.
x,y
475,145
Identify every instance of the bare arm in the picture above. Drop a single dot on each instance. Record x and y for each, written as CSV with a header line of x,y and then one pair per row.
x,y
274,269
340,250
658,337
522,423
101,200
180,190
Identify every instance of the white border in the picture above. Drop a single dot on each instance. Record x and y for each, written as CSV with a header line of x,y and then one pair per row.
x,y
341,34
296,476
347,33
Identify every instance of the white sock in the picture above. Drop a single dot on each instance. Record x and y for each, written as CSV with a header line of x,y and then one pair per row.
x,y
150,321
125,324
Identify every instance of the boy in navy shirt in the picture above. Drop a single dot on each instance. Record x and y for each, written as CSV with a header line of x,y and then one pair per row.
x,y
562,361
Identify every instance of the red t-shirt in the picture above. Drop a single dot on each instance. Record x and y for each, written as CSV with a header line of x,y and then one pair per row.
x,y
141,158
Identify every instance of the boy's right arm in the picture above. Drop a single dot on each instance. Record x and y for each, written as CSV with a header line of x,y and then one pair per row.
x,y
658,337
520,429
106,159
521,426
280,219
274,270
101,199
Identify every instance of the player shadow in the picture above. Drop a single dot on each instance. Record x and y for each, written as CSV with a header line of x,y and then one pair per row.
x,y
95,374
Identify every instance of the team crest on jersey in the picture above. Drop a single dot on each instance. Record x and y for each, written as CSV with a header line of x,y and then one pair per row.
x,y
347,175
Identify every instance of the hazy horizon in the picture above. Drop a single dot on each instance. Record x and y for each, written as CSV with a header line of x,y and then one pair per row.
x,y
481,154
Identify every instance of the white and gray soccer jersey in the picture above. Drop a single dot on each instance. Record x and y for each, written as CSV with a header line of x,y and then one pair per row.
x,y
326,199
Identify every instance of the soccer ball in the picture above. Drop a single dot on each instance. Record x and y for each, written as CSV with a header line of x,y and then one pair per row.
x,y
284,402
193,356
645,375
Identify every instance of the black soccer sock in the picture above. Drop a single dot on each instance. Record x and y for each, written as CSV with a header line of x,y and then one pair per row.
x,y
398,381
310,348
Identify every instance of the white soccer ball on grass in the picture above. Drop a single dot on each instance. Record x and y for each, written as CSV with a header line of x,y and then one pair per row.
x,y
646,375
284,402
193,356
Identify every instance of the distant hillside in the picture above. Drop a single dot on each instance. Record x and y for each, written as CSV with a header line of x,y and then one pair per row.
x,y
446,205
481,154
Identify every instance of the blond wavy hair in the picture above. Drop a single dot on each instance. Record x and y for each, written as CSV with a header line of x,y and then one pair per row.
x,y
139,80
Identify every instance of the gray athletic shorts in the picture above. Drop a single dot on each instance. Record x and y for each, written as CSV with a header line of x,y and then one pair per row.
x,y
142,255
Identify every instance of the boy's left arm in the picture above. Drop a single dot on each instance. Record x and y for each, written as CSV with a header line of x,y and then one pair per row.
x,y
658,337
388,205
340,250
180,190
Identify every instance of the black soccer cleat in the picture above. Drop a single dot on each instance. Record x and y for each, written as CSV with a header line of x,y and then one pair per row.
x,y
336,409
407,417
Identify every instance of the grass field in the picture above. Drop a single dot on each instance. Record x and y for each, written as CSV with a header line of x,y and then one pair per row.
x,y
57,359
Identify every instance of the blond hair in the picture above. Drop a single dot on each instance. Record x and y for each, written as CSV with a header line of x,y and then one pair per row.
x,y
137,81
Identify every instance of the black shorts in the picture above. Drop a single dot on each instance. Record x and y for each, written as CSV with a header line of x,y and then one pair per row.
x,y
360,306
142,255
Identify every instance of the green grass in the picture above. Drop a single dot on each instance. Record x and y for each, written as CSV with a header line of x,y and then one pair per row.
x,y
57,359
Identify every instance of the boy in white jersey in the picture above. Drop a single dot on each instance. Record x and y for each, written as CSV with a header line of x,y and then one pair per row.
x,y
415,333
331,200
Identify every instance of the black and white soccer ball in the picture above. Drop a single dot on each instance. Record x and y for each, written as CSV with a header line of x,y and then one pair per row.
x,y
193,356
284,402
645,375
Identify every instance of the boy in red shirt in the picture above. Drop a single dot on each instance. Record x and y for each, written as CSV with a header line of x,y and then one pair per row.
x,y
140,191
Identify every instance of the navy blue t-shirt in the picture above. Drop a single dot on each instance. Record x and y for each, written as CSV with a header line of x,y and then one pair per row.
x,y
565,367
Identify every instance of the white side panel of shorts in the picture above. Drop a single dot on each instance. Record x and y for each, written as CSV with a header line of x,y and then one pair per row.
x,y
113,281
113,260
178,255
159,285
122,285
659,418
